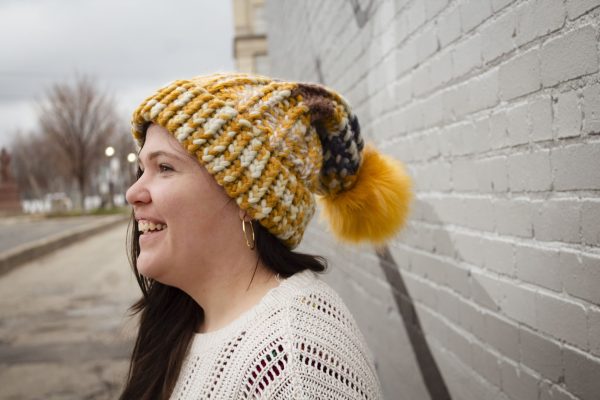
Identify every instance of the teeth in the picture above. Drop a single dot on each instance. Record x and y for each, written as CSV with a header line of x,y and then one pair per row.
x,y
145,226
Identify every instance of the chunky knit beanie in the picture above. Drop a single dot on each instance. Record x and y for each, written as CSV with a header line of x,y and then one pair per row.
x,y
274,145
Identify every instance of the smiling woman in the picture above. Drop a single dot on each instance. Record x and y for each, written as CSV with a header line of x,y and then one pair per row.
x,y
176,192
229,168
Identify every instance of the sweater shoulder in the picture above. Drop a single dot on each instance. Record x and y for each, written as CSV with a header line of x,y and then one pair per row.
x,y
326,346
300,342
316,309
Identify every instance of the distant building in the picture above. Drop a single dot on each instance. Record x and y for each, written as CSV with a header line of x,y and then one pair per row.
x,y
250,41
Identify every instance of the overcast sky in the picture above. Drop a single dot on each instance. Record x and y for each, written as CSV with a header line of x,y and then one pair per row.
x,y
131,47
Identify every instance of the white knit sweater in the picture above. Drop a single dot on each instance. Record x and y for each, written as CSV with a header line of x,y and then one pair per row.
x,y
299,342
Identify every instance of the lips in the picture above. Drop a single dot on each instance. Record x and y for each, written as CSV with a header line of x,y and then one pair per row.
x,y
146,239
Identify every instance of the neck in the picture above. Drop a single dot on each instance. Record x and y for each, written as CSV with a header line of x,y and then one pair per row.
x,y
227,293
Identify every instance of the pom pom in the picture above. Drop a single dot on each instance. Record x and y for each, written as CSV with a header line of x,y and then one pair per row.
x,y
376,207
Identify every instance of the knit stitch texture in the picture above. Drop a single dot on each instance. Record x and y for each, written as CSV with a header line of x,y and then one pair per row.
x,y
271,144
299,342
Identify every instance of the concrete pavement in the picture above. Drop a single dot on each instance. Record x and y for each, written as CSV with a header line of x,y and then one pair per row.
x,y
16,231
64,333
25,238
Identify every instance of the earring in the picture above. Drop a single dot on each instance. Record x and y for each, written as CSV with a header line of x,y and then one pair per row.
x,y
250,245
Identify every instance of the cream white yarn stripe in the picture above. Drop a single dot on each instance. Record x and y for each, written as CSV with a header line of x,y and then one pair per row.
x,y
248,155
298,129
277,96
278,188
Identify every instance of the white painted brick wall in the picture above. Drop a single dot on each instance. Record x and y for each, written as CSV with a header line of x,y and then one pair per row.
x,y
520,75
570,55
591,109
494,107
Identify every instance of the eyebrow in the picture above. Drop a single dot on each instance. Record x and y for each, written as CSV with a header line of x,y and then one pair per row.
x,y
157,153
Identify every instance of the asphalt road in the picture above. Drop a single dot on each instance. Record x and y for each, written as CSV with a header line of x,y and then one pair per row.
x,y
64,329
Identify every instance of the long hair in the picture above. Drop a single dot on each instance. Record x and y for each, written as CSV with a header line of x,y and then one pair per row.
x,y
169,316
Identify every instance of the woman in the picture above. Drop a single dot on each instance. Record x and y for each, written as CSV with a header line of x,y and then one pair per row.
x,y
229,168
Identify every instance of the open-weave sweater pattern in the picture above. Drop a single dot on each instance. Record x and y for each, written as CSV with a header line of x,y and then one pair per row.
x,y
299,342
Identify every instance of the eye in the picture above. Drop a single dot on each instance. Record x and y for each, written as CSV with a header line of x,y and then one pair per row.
x,y
165,167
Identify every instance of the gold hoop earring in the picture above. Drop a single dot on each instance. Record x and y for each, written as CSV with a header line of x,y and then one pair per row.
x,y
250,246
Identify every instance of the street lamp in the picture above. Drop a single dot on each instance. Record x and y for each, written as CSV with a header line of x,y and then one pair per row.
x,y
109,152
132,158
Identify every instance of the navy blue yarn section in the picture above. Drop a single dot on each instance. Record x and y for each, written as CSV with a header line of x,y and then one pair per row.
x,y
338,147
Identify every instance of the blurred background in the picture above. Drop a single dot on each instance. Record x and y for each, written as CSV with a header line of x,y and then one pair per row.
x,y
491,292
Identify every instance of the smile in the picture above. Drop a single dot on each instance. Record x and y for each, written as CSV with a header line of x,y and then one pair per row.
x,y
146,227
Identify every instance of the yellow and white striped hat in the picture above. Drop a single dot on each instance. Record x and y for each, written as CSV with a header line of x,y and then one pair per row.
x,y
272,145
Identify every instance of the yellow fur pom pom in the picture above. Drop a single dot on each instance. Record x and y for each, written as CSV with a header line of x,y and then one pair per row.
x,y
376,207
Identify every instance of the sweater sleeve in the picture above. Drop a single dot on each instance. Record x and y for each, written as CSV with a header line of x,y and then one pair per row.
x,y
328,356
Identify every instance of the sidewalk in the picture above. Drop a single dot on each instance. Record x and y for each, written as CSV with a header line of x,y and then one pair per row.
x,y
25,238
66,331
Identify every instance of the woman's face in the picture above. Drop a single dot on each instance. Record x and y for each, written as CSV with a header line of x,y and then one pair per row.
x,y
176,191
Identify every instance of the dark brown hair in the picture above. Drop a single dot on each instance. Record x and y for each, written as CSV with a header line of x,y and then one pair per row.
x,y
169,316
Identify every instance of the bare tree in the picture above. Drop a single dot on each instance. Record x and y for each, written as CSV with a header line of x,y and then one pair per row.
x,y
80,122
34,165
124,145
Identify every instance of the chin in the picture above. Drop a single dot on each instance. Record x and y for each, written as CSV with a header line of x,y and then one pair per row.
x,y
149,269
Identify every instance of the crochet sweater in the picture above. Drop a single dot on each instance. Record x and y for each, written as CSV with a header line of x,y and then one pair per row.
x,y
299,342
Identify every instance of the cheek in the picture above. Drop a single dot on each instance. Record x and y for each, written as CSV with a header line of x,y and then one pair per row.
x,y
195,209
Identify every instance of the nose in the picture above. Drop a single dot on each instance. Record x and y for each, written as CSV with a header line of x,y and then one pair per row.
x,y
138,192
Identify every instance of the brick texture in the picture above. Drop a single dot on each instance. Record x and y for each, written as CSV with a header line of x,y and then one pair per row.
x,y
494,107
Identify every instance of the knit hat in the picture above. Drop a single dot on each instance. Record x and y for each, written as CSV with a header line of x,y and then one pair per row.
x,y
274,145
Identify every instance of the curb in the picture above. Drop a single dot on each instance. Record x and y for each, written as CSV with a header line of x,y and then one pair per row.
x,y
11,259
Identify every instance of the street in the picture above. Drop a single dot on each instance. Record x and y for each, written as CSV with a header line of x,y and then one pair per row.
x,y
64,330
17,231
